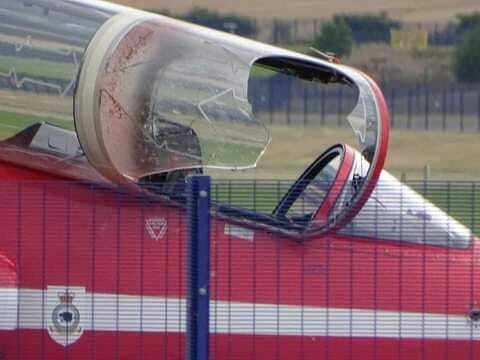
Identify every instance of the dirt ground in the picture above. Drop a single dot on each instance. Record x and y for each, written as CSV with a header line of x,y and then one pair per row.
x,y
407,10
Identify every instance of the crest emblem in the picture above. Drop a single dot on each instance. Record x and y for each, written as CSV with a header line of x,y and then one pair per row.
x,y
474,318
65,318
156,227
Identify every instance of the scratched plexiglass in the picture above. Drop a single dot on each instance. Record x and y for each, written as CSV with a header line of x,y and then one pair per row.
x,y
173,96
41,48
165,95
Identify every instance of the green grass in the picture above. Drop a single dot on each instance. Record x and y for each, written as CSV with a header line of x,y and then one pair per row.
x,y
219,153
298,47
261,72
450,155
261,196
264,72
37,67
459,200
11,123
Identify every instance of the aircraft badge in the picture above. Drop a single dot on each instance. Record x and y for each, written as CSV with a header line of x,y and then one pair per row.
x,y
65,319
156,227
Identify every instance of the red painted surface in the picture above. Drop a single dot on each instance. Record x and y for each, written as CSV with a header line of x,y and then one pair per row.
x,y
381,150
337,187
103,345
58,233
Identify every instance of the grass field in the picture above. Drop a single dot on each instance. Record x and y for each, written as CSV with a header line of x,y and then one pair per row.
x,y
44,68
11,123
460,200
36,104
408,10
451,156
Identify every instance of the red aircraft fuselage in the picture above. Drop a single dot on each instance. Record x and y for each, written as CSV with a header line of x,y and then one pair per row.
x,y
90,271
332,296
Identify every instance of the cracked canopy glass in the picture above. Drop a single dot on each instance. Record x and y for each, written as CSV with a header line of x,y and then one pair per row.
x,y
171,95
173,99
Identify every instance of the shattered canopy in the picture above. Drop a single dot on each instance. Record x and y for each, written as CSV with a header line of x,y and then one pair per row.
x,y
156,95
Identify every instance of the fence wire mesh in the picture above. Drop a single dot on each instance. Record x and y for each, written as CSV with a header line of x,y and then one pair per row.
x,y
90,273
95,273
398,283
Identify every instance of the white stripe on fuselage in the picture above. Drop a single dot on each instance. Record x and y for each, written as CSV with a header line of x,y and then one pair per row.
x,y
110,312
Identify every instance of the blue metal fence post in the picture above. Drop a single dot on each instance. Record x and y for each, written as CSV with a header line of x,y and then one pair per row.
x,y
478,110
409,109
339,106
462,110
289,102
427,105
270,99
198,268
392,107
444,109
305,105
